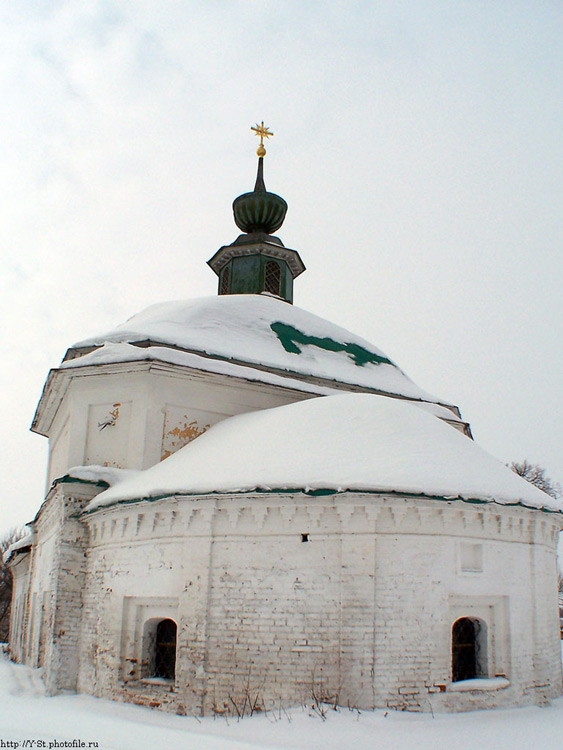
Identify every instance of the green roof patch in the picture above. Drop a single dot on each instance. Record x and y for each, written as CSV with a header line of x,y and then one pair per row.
x,y
291,337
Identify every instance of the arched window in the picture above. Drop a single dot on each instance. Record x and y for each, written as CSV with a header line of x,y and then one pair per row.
x,y
272,278
165,650
468,649
225,278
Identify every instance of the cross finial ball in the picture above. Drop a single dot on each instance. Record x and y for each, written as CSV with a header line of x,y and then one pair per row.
x,y
264,132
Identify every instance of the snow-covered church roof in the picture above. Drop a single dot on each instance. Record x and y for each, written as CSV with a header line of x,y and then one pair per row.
x,y
260,332
361,442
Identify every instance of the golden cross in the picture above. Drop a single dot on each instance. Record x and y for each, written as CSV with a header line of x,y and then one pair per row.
x,y
263,132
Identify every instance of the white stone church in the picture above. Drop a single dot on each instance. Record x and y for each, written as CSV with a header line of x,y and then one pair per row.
x,y
249,505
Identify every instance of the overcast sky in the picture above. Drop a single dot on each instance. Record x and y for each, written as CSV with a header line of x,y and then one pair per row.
x,y
417,143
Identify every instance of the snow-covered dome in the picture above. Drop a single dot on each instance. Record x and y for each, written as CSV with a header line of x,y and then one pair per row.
x,y
261,332
357,442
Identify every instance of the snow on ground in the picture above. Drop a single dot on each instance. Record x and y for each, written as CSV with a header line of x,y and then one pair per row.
x,y
27,714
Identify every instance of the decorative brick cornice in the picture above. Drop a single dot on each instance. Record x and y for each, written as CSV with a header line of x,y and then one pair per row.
x,y
343,513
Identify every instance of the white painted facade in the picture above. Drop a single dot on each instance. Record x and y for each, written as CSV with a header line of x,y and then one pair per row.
x,y
278,597
133,415
361,613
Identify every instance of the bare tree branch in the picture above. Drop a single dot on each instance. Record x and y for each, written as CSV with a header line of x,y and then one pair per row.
x,y
535,474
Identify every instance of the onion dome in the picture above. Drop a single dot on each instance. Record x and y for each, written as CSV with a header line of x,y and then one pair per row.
x,y
259,211
257,261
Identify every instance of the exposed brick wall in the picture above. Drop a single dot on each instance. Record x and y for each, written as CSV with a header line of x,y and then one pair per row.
x,y
48,591
274,619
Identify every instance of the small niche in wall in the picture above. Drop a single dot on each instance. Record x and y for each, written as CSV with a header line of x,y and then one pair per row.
x,y
471,557
305,537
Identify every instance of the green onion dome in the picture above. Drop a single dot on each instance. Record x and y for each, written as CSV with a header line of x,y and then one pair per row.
x,y
259,211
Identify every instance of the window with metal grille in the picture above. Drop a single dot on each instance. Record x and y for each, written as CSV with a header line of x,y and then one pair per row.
x,y
467,655
165,650
225,278
272,278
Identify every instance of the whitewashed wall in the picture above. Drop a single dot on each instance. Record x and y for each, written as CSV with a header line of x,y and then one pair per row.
x,y
134,416
361,613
